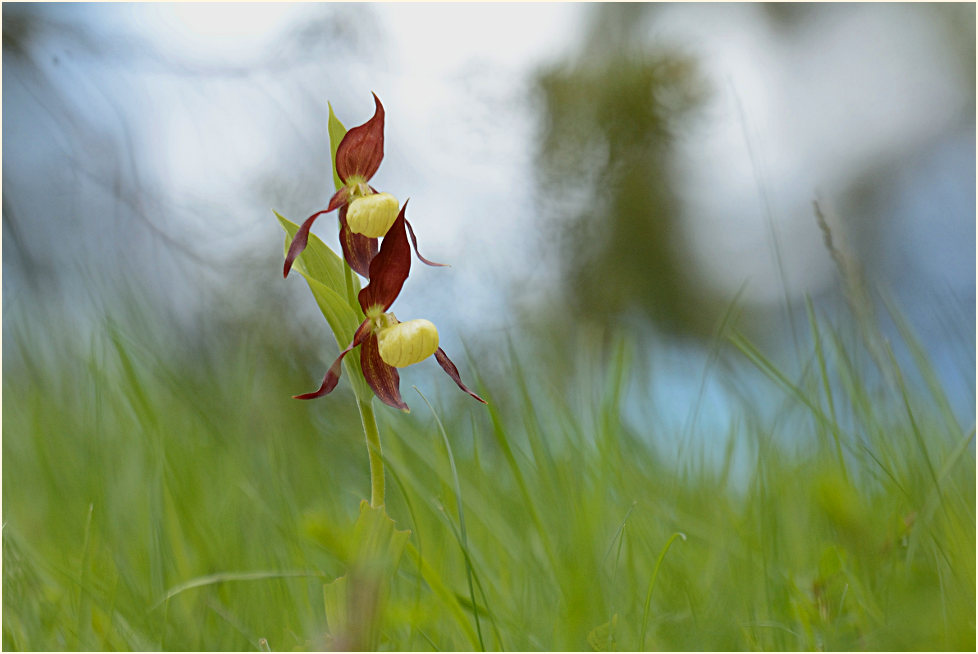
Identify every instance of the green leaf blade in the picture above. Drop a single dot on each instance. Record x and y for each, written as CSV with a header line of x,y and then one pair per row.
x,y
344,322
324,272
336,134
318,260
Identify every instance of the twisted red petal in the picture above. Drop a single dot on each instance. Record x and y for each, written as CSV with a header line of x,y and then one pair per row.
x,y
333,374
358,250
301,238
452,371
383,379
299,242
414,242
389,268
362,148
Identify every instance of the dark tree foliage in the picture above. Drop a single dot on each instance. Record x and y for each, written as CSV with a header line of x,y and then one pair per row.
x,y
610,115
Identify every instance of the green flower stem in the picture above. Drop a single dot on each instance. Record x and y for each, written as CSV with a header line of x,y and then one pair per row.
x,y
374,453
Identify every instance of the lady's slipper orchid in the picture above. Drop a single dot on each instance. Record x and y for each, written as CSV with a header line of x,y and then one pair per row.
x,y
402,344
372,215
386,343
364,214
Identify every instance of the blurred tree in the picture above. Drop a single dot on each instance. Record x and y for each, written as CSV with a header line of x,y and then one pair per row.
x,y
610,114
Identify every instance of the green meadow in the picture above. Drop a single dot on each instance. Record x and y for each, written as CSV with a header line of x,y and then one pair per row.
x,y
162,491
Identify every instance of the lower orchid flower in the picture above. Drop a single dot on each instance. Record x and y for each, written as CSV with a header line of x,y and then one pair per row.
x,y
385,343
365,215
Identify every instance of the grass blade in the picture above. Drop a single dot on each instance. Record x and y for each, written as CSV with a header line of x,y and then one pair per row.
x,y
461,518
655,575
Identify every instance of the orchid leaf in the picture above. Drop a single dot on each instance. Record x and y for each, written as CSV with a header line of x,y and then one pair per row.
x,y
377,542
323,272
344,322
319,262
602,638
338,622
336,134
341,318
356,601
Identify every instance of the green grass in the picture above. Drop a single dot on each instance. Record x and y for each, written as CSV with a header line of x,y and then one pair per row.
x,y
163,491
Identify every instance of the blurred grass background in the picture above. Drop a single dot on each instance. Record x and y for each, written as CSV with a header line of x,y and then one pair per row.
x,y
160,498
700,436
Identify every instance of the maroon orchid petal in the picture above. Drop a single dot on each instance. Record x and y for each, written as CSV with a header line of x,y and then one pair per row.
x,y
362,148
301,238
339,199
299,242
358,250
389,268
414,242
333,374
452,371
383,379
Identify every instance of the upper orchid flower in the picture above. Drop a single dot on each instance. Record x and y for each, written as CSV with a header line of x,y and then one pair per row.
x,y
386,343
365,215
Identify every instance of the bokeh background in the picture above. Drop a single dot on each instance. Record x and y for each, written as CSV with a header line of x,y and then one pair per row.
x,y
628,194
585,167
